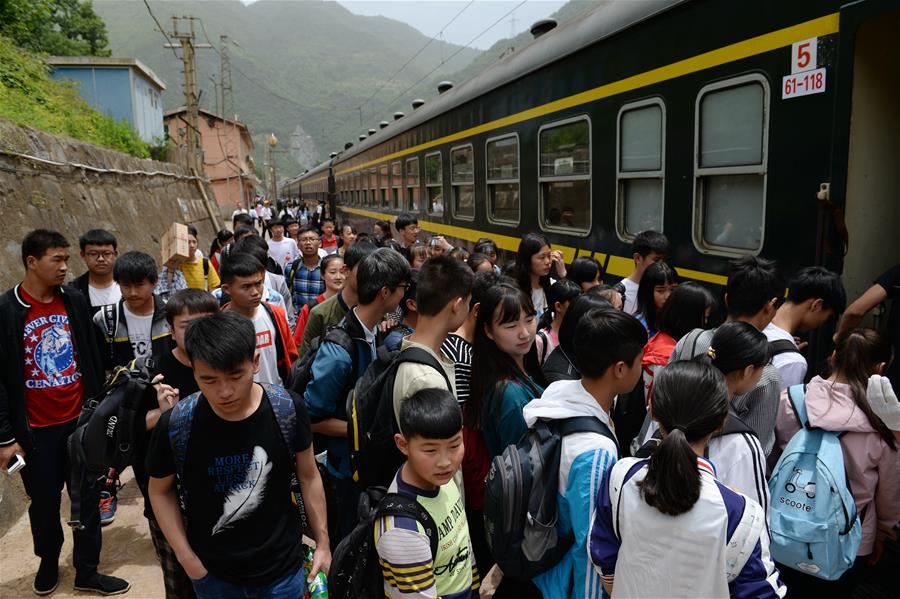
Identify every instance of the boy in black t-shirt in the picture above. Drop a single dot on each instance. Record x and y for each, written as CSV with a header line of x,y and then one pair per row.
x,y
174,381
229,517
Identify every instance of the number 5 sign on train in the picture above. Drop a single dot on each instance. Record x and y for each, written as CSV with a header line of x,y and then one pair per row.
x,y
805,78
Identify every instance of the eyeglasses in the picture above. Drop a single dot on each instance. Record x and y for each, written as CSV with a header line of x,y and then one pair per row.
x,y
98,255
309,239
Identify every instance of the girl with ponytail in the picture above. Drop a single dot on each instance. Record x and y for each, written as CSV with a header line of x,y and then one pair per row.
x,y
839,403
665,526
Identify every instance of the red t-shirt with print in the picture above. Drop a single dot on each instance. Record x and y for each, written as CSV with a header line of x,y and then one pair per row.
x,y
53,384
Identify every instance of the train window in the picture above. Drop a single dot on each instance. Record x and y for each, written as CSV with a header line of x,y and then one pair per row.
x,y
564,175
373,187
640,174
412,184
383,177
462,181
396,183
730,166
434,183
502,156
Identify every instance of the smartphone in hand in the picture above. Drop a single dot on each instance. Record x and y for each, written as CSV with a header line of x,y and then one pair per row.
x,y
15,464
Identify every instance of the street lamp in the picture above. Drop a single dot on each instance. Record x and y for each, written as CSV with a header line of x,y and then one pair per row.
x,y
271,142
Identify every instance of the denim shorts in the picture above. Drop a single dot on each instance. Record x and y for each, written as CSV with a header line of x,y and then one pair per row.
x,y
291,586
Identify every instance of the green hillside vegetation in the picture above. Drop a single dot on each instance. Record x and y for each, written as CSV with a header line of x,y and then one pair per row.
x,y
28,96
310,64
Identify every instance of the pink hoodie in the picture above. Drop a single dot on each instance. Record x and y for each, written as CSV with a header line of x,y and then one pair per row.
x,y
873,468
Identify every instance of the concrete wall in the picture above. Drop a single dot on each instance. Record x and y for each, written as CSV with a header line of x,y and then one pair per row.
x,y
136,209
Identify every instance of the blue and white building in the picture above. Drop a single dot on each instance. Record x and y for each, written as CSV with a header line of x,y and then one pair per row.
x,y
124,88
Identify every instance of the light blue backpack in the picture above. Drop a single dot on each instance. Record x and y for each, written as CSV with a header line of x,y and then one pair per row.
x,y
814,526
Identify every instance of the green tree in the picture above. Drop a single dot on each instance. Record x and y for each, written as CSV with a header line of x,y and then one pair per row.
x,y
57,27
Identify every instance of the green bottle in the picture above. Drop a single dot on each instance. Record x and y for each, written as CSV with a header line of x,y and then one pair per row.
x,y
318,588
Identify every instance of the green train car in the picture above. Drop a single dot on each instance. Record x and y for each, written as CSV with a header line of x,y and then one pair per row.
x,y
741,127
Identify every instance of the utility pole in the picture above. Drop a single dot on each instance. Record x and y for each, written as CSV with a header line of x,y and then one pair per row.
x,y
188,47
229,117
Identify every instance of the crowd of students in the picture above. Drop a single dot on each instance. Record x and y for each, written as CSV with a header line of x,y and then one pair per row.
x,y
257,345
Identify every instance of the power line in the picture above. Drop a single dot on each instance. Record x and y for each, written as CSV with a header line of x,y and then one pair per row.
x,y
449,58
161,30
422,49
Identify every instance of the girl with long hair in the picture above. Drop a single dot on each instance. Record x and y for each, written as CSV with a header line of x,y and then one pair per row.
x,y
562,293
536,262
505,373
223,238
665,526
656,285
839,403
348,237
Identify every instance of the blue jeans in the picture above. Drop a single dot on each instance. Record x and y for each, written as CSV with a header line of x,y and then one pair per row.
x,y
292,586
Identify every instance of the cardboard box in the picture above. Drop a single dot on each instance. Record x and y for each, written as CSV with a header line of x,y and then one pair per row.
x,y
175,243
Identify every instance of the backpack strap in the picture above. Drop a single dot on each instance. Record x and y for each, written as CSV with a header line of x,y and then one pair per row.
x,y
293,273
694,344
206,274
394,504
544,344
782,346
733,426
743,540
616,481
285,414
417,355
111,321
181,420
340,337
585,424
797,397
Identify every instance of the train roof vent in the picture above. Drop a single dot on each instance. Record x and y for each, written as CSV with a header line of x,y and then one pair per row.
x,y
348,145
444,86
372,131
383,124
333,154
398,115
543,26
417,103
362,137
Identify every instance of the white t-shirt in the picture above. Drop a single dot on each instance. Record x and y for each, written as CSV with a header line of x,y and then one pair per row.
x,y
104,296
631,289
265,347
284,252
139,332
791,365
539,299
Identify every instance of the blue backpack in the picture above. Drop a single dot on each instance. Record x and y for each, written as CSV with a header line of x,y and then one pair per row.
x,y
814,524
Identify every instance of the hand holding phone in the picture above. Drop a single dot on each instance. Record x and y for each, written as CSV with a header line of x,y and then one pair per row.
x,y
16,464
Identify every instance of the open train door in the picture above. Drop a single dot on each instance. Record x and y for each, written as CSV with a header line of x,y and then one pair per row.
x,y
868,123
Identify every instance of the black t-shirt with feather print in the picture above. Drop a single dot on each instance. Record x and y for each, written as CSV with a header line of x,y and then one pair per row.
x,y
240,520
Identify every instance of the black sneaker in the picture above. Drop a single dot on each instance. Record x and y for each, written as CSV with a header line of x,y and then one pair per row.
x,y
102,584
47,578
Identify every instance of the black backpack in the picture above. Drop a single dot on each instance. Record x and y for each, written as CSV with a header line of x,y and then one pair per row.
x,y
355,572
111,426
371,425
520,503
783,346
301,371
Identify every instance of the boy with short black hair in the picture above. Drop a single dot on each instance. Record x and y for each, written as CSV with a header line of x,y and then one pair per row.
x,y
99,249
647,248
239,533
609,345
243,279
283,250
815,294
382,277
442,304
329,239
175,381
410,314
304,274
433,445
136,327
752,294
407,226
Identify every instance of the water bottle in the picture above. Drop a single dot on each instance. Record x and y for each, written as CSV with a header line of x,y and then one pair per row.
x,y
318,588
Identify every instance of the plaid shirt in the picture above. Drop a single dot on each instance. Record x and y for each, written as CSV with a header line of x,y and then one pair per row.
x,y
307,283
163,289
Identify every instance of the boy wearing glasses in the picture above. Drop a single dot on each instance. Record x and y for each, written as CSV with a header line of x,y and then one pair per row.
x,y
99,250
304,276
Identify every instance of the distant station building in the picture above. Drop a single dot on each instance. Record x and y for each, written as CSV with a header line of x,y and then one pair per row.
x,y
124,88
226,145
